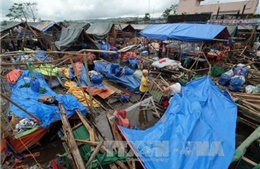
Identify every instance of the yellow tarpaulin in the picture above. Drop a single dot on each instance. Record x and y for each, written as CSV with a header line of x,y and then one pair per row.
x,y
65,71
77,92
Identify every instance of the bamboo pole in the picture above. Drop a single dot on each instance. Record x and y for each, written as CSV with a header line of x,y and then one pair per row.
x,y
249,112
58,52
8,99
250,104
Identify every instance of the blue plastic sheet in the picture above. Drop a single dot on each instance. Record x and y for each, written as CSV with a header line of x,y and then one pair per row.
x,y
133,62
104,46
236,83
42,56
185,32
28,99
112,72
197,131
83,79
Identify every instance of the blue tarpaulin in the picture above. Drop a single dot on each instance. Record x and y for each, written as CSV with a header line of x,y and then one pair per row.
x,y
83,79
197,131
111,71
185,32
28,99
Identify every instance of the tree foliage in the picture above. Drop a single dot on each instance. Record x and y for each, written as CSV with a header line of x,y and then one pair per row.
x,y
147,16
168,11
23,11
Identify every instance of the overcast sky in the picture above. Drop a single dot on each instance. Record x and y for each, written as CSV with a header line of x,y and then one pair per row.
x,y
60,10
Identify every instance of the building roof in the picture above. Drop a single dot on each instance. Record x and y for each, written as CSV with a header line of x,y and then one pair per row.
x,y
42,26
9,25
99,29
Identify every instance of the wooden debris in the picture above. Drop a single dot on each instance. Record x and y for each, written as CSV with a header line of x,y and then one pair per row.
x,y
70,139
93,155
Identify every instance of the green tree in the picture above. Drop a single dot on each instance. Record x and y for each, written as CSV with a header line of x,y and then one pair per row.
x,y
174,9
146,16
167,12
23,11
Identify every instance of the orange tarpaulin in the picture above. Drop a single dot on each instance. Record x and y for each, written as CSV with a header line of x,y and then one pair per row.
x,y
18,144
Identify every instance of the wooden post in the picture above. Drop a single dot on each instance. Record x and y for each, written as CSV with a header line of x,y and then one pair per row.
x,y
70,138
89,87
35,35
80,86
72,163
88,127
24,33
4,130
30,114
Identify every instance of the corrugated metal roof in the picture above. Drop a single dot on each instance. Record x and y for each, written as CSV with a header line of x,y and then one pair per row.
x,y
9,26
42,26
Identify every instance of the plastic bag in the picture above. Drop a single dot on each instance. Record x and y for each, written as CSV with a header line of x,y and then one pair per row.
x,y
249,88
256,89
236,83
96,79
224,79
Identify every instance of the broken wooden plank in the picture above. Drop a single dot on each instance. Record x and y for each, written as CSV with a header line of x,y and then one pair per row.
x,y
94,154
106,83
113,166
66,148
127,48
76,126
70,138
121,164
88,127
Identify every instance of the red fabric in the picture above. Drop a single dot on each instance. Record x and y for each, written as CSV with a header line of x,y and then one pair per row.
x,y
12,76
129,55
121,120
162,60
165,104
79,58
122,113
54,165
29,140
